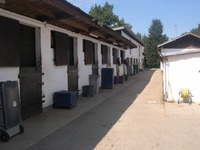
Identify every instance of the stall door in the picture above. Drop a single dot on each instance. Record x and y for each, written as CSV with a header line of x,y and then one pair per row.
x,y
30,73
73,67
95,67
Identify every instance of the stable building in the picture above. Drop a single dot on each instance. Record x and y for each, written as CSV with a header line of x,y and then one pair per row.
x,y
51,45
180,59
133,55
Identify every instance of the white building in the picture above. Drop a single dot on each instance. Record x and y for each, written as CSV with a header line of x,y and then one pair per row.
x,y
48,46
181,66
134,55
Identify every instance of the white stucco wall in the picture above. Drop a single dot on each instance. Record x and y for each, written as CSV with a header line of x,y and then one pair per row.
x,y
84,70
182,71
136,53
10,73
55,78
111,60
115,66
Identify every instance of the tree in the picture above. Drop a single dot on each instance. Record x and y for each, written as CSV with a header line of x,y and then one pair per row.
x,y
196,30
106,16
139,35
154,38
121,22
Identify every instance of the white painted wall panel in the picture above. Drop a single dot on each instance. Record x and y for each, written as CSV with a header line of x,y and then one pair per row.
x,y
136,53
183,72
173,51
10,73
84,70
55,77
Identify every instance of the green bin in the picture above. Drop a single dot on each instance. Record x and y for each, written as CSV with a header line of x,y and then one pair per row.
x,y
135,68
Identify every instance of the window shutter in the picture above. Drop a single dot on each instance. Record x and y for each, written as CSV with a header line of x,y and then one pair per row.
x,y
88,49
27,46
122,57
71,50
114,56
104,49
61,49
9,42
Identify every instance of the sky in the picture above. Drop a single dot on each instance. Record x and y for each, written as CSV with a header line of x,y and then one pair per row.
x,y
177,16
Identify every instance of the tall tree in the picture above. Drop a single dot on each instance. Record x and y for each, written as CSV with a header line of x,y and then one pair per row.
x,y
155,37
196,30
121,22
139,35
105,15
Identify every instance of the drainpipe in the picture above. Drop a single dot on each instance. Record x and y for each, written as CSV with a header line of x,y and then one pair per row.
x,y
165,92
165,78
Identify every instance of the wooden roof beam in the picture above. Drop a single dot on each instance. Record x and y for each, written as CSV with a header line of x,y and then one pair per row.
x,y
93,29
74,24
80,31
62,25
38,11
73,11
99,34
108,36
60,17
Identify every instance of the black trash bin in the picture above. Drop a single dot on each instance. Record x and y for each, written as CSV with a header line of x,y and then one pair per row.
x,y
10,110
88,91
121,79
107,78
65,99
94,80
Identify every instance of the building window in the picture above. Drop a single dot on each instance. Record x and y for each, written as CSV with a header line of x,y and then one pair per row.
x,y
104,53
61,48
114,52
71,50
122,56
139,50
27,46
9,41
88,48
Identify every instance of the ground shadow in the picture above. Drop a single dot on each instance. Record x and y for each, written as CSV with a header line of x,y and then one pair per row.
x,y
86,131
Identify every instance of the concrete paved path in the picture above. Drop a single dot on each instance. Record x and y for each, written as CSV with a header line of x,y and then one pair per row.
x,y
130,116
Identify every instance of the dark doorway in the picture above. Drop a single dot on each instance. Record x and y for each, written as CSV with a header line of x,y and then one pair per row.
x,y
73,65
95,67
71,51
30,72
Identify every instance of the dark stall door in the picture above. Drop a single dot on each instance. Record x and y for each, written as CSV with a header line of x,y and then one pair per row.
x,y
30,73
72,78
95,67
72,68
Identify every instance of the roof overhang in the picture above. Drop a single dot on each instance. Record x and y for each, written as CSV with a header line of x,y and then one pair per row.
x,y
173,52
64,15
190,38
130,33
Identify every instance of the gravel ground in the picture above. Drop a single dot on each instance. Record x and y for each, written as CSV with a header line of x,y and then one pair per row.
x,y
151,124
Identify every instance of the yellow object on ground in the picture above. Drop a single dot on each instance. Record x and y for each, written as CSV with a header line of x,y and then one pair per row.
x,y
184,93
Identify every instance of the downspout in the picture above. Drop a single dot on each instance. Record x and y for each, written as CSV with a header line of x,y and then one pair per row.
x,y
165,77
